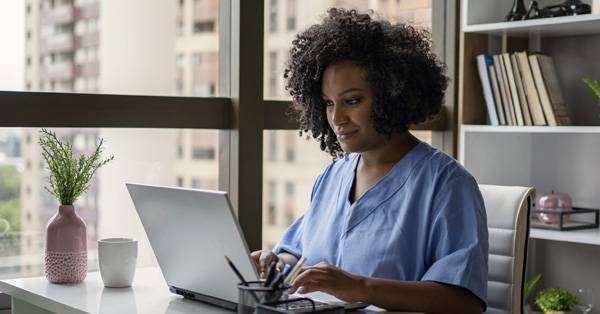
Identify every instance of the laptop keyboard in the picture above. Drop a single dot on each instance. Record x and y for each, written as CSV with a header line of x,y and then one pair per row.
x,y
301,304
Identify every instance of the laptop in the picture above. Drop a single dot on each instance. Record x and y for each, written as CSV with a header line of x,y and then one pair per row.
x,y
191,231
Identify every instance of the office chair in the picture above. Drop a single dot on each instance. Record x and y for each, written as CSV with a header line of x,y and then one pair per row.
x,y
508,226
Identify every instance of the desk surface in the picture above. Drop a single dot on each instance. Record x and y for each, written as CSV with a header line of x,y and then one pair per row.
x,y
149,294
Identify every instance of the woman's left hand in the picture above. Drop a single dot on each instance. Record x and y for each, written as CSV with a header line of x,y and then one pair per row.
x,y
331,280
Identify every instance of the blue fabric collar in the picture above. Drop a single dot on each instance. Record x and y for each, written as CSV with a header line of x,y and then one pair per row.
x,y
386,187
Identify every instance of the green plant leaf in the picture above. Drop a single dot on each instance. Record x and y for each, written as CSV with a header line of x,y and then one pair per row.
x,y
69,177
555,299
531,284
594,85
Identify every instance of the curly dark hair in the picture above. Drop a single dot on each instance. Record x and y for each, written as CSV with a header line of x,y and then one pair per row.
x,y
408,80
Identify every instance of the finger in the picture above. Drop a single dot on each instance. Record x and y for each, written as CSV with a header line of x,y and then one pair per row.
x,y
309,274
264,261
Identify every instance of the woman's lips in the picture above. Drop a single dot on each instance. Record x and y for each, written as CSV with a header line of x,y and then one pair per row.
x,y
344,136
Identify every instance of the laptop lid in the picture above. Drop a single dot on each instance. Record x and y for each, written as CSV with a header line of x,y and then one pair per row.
x,y
191,231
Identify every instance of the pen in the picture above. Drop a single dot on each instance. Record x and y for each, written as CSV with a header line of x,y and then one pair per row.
x,y
236,271
294,272
271,274
286,269
239,275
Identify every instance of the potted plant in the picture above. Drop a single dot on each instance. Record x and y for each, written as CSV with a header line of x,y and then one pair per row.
x,y
555,301
66,248
528,289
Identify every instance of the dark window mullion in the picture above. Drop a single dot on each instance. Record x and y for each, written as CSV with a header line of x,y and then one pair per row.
x,y
38,109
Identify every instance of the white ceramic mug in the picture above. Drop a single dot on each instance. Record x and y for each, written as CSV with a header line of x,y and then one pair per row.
x,y
117,259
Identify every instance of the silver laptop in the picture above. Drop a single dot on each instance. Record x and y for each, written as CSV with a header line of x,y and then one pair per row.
x,y
191,231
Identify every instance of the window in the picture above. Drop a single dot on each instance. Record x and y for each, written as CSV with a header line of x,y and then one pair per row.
x,y
141,155
273,74
203,153
203,27
291,15
273,16
271,201
272,147
128,66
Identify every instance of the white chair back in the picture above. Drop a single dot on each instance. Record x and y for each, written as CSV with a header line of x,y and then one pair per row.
x,y
508,226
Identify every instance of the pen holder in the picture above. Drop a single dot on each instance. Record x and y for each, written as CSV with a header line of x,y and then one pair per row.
x,y
253,293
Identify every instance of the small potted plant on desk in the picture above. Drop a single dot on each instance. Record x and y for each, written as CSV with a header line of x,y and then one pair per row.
x,y
66,241
555,301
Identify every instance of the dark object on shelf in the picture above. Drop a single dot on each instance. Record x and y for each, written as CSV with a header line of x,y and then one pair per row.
x,y
575,7
567,8
533,12
517,12
564,224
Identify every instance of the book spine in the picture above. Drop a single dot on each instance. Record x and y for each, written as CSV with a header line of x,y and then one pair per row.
x,y
487,89
521,90
512,87
541,88
535,108
496,91
502,84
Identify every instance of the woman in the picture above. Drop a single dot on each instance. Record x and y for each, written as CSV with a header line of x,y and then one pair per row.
x,y
392,221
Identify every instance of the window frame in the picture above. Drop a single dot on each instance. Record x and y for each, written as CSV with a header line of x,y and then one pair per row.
x,y
240,113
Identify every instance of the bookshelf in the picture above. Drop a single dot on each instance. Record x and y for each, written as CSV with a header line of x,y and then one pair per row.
x,y
560,158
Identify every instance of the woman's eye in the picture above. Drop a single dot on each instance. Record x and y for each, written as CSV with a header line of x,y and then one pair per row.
x,y
353,101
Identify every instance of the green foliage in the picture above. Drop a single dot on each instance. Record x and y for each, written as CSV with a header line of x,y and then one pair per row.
x,y
555,299
69,177
10,226
10,183
594,85
531,284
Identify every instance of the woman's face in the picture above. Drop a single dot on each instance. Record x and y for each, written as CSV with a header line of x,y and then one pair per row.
x,y
349,99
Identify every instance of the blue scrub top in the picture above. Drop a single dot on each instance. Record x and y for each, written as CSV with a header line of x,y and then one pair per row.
x,y
425,220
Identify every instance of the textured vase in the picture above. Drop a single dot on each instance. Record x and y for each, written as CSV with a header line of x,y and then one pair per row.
x,y
66,248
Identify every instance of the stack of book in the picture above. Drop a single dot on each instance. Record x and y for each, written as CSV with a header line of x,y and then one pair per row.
x,y
522,89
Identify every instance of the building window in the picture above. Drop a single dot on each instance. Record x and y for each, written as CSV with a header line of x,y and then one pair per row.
x,y
195,183
291,15
179,181
204,27
203,153
273,77
272,150
273,16
290,149
271,211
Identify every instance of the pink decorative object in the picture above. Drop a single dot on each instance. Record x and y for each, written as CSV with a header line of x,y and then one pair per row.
x,y
66,248
556,202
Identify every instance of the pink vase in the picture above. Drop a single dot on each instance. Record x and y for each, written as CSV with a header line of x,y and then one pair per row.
x,y
66,248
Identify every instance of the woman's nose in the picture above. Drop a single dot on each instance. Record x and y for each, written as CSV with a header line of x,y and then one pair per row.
x,y
338,115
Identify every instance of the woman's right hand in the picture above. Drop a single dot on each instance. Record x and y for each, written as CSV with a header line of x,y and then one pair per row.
x,y
263,259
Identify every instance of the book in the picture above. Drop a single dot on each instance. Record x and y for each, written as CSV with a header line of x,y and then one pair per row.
x,y
512,87
521,91
483,61
559,107
542,92
496,91
503,93
533,100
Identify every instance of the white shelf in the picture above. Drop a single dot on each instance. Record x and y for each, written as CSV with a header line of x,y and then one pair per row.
x,y
586,236
548,27
471,128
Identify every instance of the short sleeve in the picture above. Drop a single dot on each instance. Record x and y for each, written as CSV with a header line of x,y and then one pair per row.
x,y
458,240
291,242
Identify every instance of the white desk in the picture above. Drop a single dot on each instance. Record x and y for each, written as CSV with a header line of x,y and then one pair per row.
x,y
148,295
